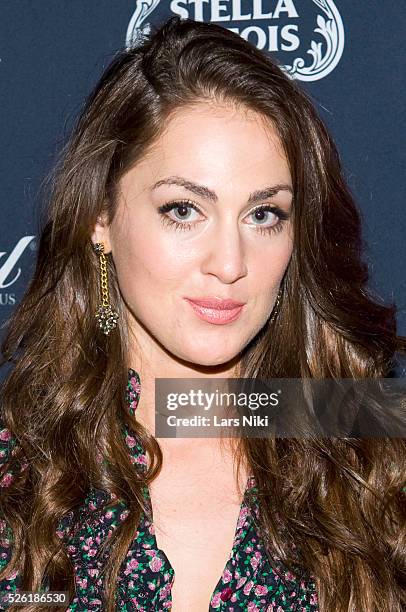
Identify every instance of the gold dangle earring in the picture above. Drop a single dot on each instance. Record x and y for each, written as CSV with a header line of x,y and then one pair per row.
x,y
106,317
276,306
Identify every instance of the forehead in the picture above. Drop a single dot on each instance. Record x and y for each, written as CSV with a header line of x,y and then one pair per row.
x,y
216,144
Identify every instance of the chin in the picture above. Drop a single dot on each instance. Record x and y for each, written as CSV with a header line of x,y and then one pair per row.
x,y
208,357
210,361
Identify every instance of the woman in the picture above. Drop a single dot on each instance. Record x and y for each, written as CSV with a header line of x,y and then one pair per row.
x,y
197,171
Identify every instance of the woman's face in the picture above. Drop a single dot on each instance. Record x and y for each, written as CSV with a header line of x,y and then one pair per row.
x,y
186,227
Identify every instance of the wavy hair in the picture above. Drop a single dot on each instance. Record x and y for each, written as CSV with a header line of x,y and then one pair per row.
x,y
340,499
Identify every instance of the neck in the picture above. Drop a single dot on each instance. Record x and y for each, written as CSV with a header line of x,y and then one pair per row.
x,y
157,363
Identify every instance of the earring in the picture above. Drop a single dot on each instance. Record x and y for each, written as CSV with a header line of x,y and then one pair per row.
x,y
276,306
106,317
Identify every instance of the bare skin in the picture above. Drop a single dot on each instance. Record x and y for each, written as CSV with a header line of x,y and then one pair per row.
x,y
195,518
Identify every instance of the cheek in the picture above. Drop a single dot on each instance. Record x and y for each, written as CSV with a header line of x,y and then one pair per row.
x,y
149,261
268,265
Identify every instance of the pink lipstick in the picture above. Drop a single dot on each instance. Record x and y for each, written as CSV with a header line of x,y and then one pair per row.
x,y
216,310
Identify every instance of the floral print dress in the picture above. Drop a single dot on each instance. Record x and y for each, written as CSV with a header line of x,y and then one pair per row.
x,y
250,581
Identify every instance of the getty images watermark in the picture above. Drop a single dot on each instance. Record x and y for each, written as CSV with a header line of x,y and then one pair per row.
x,y
280,407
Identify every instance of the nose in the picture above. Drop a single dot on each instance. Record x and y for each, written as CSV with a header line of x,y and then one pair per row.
x,y
224,253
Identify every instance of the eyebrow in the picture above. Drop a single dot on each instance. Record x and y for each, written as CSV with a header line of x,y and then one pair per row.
x,y
208,194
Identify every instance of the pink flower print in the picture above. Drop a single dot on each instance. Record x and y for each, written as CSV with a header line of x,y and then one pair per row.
x,y
242,517
6,480
227,575
252,607
256,559
89,541
92,552
254,562
289,576
130,441
142,459
251,482
109,514
164,592
151,586
151,529
133,564
216,601
133,405
82,582
5,435
260,590
135,384
93,571
155,564
248,587
314,599
241,581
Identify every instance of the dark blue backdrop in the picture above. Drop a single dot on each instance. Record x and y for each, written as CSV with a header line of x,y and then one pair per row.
x,y
53,52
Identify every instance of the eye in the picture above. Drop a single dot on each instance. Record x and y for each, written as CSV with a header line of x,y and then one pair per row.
x,y
271,218
180,214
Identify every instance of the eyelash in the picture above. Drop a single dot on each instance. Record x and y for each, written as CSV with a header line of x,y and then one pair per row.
x,y
283,216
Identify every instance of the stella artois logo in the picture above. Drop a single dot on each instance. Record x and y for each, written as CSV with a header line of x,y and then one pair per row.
x,y
306,35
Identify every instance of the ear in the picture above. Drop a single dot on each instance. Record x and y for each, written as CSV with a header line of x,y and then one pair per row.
x,y
101,233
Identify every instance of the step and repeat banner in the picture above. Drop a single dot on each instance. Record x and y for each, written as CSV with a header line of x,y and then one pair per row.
x,y
348,55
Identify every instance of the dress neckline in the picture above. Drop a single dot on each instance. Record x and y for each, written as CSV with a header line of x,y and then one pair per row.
x,y
147,572
248,507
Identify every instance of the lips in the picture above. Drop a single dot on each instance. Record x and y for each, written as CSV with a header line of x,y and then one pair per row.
x,y
217,303
216,310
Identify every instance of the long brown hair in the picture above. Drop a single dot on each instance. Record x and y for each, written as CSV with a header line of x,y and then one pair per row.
x,y
340,499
